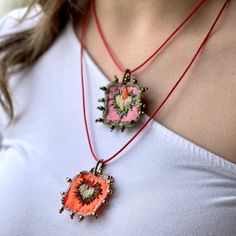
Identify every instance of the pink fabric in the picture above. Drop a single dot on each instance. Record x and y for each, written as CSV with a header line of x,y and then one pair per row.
x,y
112,113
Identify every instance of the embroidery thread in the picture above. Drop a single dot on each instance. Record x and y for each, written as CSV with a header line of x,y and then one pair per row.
x,y
123,104
87,192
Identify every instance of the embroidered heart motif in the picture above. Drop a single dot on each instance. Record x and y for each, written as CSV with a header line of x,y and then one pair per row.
x,y
123,102
87,191
123,105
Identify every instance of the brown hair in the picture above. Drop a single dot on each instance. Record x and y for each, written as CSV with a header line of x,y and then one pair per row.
x,y
23,48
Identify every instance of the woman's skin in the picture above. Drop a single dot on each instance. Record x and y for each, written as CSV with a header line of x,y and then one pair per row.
x,y
203,108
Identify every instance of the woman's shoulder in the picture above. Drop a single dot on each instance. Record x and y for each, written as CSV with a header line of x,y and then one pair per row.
x,y
15,21
19,19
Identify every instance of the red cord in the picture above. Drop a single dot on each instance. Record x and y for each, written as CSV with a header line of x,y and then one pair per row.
x,y
153,54
163,102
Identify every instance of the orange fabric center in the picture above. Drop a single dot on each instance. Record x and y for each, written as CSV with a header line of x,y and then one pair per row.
x,y
125,93
85,193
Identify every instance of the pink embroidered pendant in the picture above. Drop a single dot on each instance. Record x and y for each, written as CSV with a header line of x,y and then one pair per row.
x,y
88,191
123,104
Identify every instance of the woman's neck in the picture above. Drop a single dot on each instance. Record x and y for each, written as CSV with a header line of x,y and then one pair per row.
x,y
134,29
143,14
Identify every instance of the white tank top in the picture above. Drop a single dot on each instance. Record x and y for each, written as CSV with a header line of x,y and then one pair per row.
x,y
164,184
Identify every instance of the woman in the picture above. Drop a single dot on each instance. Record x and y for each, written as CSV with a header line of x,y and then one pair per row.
x,y
178,176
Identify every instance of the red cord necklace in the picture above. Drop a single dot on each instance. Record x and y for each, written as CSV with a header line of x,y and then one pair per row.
x,y
89,190
125,107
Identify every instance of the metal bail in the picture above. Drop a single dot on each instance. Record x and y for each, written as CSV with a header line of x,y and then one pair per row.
x,y
99,166
126,77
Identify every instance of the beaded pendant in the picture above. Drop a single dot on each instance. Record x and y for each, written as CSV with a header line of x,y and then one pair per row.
x,y
87,192
123,105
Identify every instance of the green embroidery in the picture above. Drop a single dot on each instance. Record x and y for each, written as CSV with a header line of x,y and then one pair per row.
x,y
123,108
86,192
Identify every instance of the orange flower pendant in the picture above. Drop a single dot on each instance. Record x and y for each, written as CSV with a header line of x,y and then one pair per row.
x,y
87,192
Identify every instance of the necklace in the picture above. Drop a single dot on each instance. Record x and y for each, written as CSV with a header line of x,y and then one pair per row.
x,y
89,190
124,107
